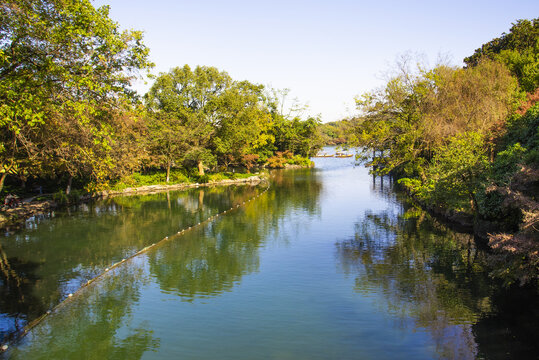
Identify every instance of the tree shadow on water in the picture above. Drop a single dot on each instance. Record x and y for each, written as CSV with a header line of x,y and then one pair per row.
x,y
432,279
18,304
97,323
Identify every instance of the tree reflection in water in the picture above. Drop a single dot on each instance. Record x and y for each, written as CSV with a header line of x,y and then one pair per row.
x,y
433,279
428,274
89,324
41,265
211,259
109,318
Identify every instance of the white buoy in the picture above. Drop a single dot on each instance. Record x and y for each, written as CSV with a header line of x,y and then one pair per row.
x,y
70,295
106,269
4,347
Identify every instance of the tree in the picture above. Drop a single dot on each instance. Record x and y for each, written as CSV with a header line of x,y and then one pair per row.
x,y
338,132
457,171
191,98
477,99
404,124
389,128
167,139
64,65
518,50
242,119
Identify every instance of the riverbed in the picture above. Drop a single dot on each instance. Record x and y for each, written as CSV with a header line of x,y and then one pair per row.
x,y
328,263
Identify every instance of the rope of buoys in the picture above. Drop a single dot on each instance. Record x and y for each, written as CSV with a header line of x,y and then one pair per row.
x,y
70,296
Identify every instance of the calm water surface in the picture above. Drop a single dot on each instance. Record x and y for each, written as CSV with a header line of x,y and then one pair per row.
x,y
328,264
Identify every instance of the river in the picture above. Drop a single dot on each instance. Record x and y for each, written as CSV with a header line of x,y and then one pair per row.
x,y
328,263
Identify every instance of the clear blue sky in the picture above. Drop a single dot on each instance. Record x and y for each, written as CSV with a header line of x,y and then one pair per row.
x,y
326,52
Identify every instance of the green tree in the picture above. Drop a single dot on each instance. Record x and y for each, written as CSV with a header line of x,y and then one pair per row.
x,y
192,99
338,132
404,124
389,128
518,49
62,63
457,172
242,119
167,140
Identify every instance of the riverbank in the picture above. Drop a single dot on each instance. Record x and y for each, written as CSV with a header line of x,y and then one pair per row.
x,y
15,217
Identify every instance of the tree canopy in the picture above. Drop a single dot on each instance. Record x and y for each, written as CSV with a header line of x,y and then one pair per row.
x,y
65,67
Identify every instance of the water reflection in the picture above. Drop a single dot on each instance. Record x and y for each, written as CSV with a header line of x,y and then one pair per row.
x,y
209,260
51,258
326,264
95,323
212,259
433,280
120,314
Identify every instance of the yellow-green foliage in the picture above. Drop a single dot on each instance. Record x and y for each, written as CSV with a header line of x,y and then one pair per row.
x,y
455,174
157,178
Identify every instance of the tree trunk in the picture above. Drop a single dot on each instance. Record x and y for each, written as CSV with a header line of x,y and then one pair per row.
x,y
2,180
168,171
68,189
200,168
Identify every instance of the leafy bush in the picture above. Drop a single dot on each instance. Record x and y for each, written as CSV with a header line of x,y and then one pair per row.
x,y
506,163
455,174
299,160
60,197
203,179
277,162
219,176
177,176
249,161
280,160
523,129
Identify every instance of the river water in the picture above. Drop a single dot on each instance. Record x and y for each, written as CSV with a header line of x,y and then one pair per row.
x,y
329,263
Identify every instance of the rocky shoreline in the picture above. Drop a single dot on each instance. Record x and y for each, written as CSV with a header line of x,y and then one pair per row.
x,y
15,217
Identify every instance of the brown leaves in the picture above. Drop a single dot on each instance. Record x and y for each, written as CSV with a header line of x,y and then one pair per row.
x,y
520,250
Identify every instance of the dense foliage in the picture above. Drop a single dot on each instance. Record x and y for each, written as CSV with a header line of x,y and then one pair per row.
x,y
518,50
338,132
213,120
68,112
467,140
65,72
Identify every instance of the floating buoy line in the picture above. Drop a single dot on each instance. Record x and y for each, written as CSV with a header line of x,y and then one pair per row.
x,y
70,296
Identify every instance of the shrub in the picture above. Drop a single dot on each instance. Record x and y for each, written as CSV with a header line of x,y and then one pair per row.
x,y
506,163
276,162
203,179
